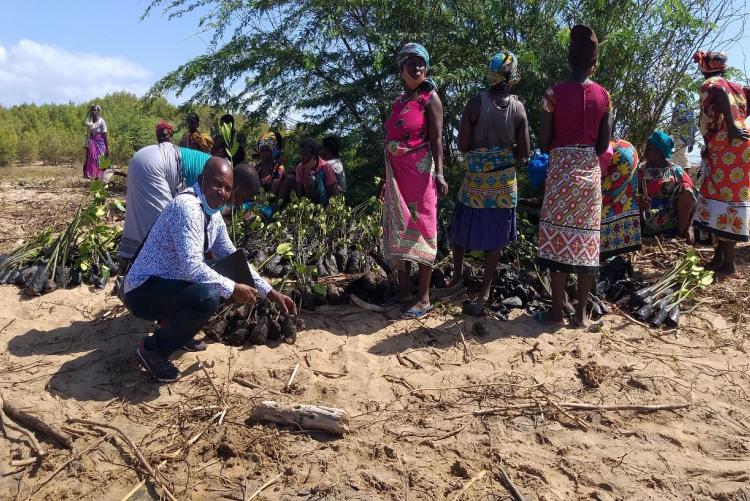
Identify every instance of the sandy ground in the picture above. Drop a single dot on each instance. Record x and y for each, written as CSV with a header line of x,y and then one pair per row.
x,y
410,388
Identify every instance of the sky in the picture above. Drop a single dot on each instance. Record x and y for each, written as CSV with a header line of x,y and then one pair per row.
x,y
60,51
56,52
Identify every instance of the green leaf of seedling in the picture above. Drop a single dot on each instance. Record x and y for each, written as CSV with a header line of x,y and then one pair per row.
x,y
706,280
118,204
83,265
284,250
319,289
100,212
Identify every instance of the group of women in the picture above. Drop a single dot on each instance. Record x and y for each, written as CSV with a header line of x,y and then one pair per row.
x,y
598,198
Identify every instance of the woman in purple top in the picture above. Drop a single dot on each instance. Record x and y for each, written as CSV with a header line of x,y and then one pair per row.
x,y
575,129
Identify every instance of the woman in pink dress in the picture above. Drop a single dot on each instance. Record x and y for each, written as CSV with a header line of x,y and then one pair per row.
x,y
575,130
413,178
96,143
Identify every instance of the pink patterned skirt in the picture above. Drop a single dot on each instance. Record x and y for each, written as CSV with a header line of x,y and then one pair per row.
x,y
569,229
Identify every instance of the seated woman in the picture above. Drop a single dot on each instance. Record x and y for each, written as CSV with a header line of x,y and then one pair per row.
x,y
621,225
270,169
313,177
667,195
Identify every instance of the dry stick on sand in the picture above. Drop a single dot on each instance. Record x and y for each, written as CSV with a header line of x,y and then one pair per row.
x,y
574,406
13,411
508,483
463,342
66,463
158,479
468,485
140,484
249,384
216,390
6,422
264,486
291,378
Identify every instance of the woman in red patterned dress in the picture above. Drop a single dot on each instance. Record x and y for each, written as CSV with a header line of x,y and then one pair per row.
x,y
575,130
723,206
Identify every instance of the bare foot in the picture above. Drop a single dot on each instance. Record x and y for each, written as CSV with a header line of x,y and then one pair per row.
x,y
581,321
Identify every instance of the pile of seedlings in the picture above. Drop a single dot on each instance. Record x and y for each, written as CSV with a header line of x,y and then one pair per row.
x,y
81,253
659,303
301,249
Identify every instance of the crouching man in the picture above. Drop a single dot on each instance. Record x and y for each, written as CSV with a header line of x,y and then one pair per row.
x,y
170,281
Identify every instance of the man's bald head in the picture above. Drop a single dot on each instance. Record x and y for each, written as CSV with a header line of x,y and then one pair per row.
x,y
216,181
246,184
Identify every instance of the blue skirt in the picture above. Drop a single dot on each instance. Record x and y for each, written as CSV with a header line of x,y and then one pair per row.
x,y
482,229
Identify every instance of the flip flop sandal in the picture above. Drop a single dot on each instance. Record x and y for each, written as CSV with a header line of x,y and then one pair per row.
x,y
414,313
539,317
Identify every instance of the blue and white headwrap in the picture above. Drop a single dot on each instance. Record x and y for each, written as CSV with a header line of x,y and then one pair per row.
x,y
413,49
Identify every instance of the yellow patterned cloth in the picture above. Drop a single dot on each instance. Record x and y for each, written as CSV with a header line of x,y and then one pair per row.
x,y
490,180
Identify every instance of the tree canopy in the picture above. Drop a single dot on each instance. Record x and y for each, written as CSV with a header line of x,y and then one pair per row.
x,y
333,62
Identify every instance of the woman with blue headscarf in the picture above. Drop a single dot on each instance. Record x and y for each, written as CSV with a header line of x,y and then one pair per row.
x,y
667,195
494,136
413,178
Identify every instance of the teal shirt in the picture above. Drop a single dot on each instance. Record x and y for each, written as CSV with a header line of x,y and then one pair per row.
x,y
193,162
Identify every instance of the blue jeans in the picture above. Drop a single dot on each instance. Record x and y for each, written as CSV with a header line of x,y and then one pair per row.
x,y
182,306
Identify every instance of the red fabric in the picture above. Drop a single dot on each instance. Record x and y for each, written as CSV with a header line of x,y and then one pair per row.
x,y
301,173
577,110
711,119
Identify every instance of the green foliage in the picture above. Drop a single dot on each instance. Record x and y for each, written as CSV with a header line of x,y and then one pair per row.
x,y
8,144
54,133
333,62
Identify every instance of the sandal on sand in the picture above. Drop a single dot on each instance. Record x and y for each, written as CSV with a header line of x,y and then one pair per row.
x,y
539,317
474,308
414,313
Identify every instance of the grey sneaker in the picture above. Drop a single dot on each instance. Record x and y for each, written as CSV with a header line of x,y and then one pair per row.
x,y
158,365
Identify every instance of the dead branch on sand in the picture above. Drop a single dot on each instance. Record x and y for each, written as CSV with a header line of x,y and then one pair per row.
x,y
574,406
158,479
12,410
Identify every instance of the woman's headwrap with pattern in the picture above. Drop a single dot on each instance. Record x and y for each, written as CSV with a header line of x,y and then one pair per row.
x,y
503,67
164,125
203,141
662,142
413,49
711,62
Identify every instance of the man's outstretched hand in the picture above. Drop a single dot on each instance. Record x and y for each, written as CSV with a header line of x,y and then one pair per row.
x,y
285,303
244,294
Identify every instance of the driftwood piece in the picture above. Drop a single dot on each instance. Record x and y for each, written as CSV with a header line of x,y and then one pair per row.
x,y
306,417
13,411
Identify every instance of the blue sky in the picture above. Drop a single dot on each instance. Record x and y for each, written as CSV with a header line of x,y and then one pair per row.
x,y
55,51
73,50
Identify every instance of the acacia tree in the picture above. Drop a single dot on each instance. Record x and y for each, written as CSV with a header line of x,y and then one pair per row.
x,y
332,62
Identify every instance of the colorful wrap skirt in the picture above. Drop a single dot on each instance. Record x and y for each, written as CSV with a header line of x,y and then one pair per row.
x,y
484,217
723,205
570,224
621,225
